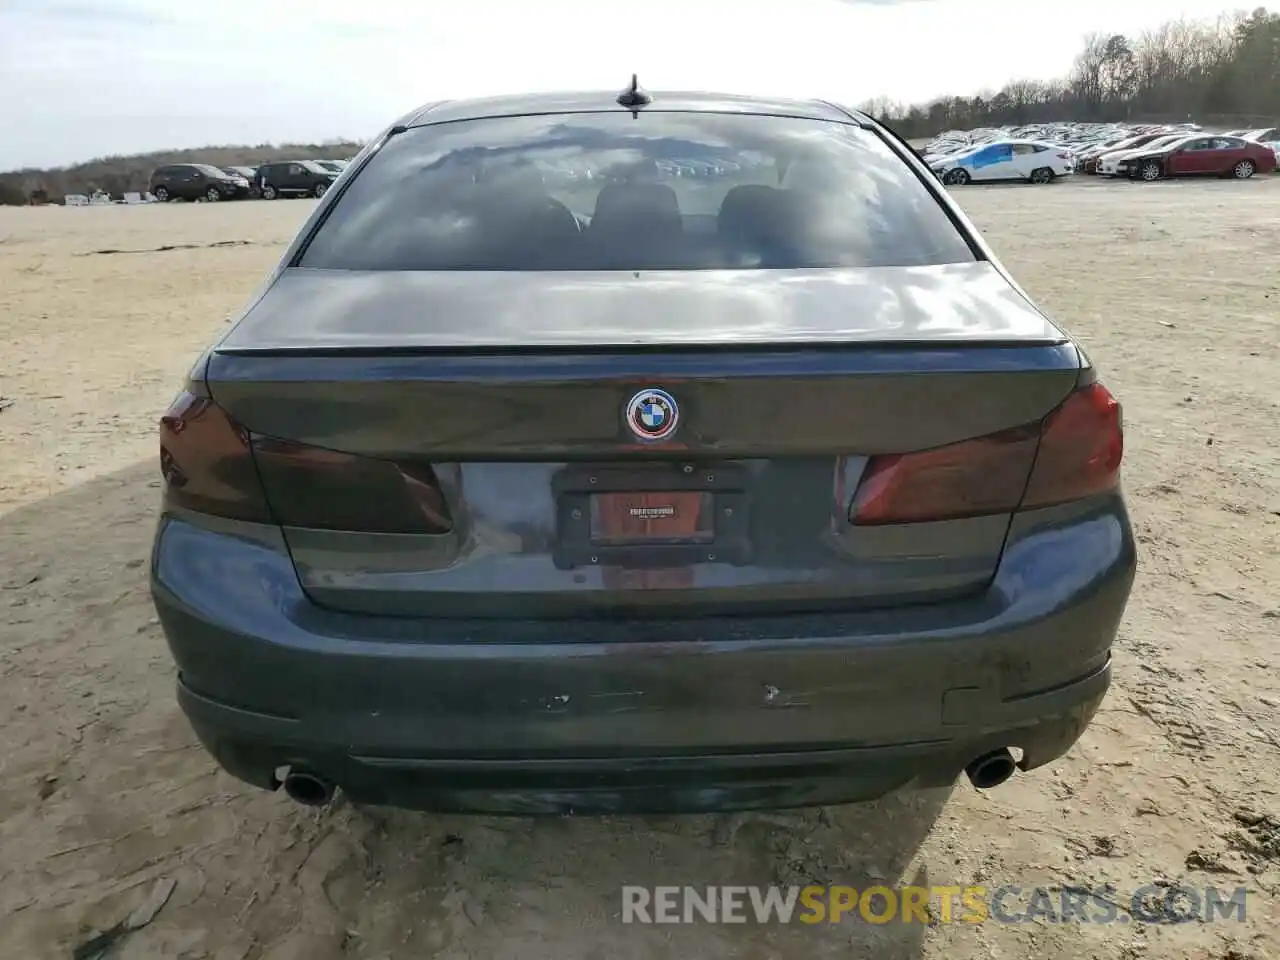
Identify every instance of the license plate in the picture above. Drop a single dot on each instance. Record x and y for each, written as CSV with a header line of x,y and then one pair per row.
x,y
652,517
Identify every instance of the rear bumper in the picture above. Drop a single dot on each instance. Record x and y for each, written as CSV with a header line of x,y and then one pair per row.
x,y
253,746
642,716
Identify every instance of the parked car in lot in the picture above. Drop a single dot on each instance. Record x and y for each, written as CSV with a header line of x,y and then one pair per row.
x,y
250,175
463,513
1264,135
1006,160
1268,137
1087,159
294,178
1200,157
1095,164
196,181
1092,163
947,151
1109,163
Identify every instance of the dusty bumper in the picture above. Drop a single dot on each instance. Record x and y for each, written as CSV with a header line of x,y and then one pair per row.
x,y
253,747
642,715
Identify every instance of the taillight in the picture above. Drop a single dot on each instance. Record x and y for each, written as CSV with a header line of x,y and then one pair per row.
x,y
213,465
1074,453
206,461
327,490
967,479
1081,446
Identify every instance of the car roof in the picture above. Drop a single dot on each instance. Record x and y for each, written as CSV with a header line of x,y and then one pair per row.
x,y
448,111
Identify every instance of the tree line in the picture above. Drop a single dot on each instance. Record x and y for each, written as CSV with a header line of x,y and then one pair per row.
x,y
1226,71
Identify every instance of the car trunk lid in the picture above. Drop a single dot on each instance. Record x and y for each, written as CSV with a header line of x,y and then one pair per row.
x,y
497,405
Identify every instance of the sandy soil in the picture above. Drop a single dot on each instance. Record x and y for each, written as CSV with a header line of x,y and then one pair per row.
x,y
1173,288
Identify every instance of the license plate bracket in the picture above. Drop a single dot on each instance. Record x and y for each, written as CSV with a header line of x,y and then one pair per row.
x,y
651,516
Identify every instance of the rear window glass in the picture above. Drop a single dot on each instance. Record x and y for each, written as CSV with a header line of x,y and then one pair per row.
x,y
664,191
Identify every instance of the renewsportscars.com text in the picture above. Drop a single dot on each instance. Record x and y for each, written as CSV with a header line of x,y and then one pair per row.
x,y
1153,904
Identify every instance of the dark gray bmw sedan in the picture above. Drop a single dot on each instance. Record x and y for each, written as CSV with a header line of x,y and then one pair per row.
x,y
641,452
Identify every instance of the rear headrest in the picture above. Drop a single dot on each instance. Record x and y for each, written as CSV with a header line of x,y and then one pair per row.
x,y
635,225
750,209
644,205
760,226
525,231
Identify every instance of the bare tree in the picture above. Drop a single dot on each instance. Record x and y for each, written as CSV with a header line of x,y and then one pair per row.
x,y
1086,78
1118,69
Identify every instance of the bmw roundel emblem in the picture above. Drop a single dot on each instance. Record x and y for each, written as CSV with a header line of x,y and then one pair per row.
x,y
653,414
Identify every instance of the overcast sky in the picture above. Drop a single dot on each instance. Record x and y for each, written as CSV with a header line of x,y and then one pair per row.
x,y
85,78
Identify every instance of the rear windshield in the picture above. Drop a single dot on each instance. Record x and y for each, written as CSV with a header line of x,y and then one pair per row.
x,y
664,191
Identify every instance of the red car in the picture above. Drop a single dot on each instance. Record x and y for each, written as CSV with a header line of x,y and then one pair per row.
x,y
1200,157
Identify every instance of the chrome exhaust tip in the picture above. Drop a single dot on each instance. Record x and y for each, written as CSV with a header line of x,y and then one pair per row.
x,y
308,789
991,769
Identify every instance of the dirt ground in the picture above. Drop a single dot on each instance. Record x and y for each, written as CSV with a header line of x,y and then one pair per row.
x,y
1173,288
